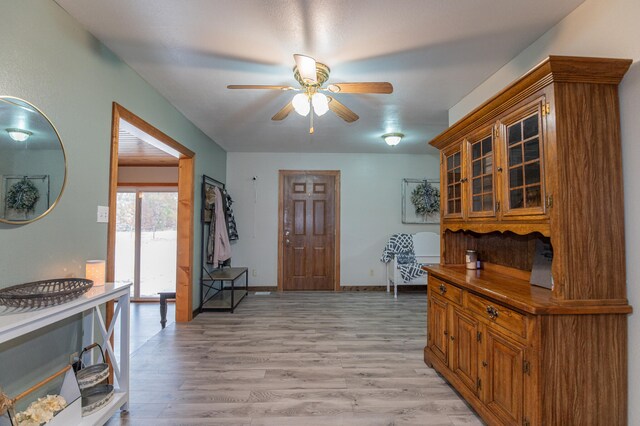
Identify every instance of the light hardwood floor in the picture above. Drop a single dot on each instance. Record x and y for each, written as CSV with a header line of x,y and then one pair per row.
x,y
295,359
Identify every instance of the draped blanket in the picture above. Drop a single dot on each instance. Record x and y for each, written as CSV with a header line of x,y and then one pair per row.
x,y
401,247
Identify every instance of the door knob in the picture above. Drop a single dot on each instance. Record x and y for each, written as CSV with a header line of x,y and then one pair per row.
x,y
287,241
286,233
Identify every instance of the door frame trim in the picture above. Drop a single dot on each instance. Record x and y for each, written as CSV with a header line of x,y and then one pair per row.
x,y
186,185
336,240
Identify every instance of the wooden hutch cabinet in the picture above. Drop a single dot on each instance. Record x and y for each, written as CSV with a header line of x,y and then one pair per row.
x,y
538,162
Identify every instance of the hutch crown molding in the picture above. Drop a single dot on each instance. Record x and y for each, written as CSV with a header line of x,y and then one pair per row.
x,y
538,162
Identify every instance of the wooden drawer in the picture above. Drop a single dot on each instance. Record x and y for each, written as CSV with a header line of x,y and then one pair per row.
x,y
497,314
446,290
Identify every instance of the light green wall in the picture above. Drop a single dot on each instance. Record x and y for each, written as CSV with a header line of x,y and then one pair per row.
x,y
50,60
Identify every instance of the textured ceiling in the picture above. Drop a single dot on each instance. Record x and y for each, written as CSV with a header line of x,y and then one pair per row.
x,y
434,52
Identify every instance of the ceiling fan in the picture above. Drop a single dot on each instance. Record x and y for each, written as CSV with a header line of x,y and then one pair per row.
x,y
312,75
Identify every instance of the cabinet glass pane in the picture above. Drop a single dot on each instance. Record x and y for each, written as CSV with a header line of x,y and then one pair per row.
x,y
515,199
532,173
515,155
476,150
488,164
454,174
487,146
477,168
487,203
515,133
482,175
487,183
477,185
531,150
515,177
534,198
525,176
477,203
530,127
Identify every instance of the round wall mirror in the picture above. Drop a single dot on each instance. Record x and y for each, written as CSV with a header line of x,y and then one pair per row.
x,y
33,168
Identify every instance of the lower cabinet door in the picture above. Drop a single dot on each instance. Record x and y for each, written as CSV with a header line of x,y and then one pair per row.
x,y
503,390
464,349
438,332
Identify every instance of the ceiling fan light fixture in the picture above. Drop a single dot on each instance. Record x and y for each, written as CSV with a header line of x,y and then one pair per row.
x,y
19,135
320,103
307,68
300,103
392,139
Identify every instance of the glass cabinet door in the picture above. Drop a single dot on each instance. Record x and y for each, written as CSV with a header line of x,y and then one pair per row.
x,y
481,174
453,182
524,183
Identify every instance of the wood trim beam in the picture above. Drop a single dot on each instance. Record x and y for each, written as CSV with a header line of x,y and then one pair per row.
x,y
138,122
186,185
184,279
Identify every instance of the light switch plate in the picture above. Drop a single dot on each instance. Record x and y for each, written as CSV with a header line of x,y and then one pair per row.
x,y
103,214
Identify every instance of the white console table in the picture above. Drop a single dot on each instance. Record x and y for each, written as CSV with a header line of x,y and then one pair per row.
x,y
15,323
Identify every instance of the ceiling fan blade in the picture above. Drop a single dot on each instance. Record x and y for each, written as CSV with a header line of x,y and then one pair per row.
x,y
283,113
259,86
342,111
370,87
307,68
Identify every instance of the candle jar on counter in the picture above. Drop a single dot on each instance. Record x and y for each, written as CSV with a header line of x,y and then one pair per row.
x,y
471,259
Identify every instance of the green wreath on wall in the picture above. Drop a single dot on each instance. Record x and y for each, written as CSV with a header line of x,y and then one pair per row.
x,y
23,196
426,199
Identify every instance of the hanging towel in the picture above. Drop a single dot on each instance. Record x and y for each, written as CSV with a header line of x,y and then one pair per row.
x,y
400,246
219,248
397,244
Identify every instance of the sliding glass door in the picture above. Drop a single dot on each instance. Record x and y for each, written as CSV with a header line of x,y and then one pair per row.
x,y
146,244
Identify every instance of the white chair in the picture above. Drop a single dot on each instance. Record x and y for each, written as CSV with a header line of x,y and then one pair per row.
x,y
426,246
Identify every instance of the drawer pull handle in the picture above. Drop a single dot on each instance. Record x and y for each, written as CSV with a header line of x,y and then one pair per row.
x,y
492,312
443,289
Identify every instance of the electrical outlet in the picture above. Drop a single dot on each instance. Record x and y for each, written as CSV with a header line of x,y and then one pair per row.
x,y
371,272
103,214
254,273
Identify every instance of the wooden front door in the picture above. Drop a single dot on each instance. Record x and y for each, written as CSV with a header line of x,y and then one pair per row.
x,y
308,227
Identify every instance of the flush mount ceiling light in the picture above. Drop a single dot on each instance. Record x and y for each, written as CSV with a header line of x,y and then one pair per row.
x,y
392,139
19,135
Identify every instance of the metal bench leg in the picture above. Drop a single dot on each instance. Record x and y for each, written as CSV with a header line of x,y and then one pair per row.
x,y
163,310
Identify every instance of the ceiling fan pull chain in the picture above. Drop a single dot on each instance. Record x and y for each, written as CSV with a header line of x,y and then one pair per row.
x,y
311,124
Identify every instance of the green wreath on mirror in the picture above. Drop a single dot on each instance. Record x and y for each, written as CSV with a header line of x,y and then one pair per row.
x,y
23,196
426,199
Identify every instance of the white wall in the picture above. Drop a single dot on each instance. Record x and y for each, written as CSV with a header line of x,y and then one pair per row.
x,y
608,29
370,207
